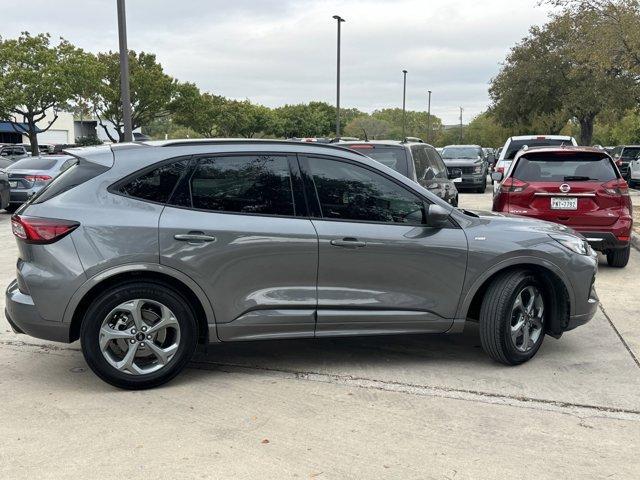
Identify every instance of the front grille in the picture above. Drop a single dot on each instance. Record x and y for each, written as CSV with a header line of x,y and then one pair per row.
x,y
462,169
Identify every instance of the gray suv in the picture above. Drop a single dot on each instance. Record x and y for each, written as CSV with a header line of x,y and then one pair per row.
x,y
143,251
415,160
471,161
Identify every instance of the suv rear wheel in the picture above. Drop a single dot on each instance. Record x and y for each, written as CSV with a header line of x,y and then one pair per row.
x,y
138,335
512,318
620,257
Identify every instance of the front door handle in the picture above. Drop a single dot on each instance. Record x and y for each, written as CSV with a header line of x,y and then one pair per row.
x,y
348,242
194,237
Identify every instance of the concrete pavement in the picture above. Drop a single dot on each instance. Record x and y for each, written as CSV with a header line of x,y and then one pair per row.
x,y
393,407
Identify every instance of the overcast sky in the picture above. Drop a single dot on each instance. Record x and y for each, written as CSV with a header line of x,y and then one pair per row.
x,y
283,51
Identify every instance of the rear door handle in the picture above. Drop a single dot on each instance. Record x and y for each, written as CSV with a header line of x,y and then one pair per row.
x,y
194,237
348,242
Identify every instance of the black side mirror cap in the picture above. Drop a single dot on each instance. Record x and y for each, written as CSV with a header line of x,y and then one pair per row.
x,y
437,216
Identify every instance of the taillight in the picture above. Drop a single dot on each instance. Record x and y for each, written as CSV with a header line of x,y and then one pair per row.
x,y
616,187
37,178
41,230
619,163
513,185
500,169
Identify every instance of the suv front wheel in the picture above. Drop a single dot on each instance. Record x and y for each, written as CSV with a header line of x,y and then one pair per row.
x,y
512,317
138,335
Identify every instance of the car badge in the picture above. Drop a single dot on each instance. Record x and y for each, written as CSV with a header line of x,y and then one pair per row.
x,y
564,188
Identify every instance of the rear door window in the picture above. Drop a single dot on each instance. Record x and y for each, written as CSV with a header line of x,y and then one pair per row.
x,y
564,168
435,161
249,184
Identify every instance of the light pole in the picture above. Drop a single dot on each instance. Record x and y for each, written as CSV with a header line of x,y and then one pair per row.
x,y
339,20
429,118
124,72
461,135
404,104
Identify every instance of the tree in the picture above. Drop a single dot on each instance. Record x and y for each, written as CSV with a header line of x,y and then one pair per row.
x,y
373,128
200,112
302,120
151,91
37,78
550,76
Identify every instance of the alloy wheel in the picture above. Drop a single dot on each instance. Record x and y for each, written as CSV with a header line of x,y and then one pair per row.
x,y
527,319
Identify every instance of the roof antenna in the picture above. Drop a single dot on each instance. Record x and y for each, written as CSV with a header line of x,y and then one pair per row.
x,y
366,139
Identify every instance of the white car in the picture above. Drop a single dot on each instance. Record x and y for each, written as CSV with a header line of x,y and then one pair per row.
x,y
634,172
514,144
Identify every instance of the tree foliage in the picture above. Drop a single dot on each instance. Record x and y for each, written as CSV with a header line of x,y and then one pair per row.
x,y
38,78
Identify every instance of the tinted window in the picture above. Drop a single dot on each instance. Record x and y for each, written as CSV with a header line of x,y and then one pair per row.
x,y
34,163
421,162
630,153
515,145
243,184
556,168
391,156
350,192
76,174
157,184
436,163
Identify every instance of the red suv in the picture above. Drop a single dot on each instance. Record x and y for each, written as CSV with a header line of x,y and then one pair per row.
x,y
578,187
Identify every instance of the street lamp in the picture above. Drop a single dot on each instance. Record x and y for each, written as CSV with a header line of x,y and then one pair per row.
x,y
404,103
125,96
429,118
339,20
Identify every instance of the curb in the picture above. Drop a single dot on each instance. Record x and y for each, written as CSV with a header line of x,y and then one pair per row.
x,y
635,240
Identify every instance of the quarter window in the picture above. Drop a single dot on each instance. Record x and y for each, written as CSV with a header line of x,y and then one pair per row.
x,y
258,184
350,192
156,185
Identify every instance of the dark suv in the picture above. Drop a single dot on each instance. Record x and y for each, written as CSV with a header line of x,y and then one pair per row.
x,y
623,156
415,160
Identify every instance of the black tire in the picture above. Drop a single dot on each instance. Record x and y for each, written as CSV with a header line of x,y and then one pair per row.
x,y
106,302
619,257
482,188
495,317
454,202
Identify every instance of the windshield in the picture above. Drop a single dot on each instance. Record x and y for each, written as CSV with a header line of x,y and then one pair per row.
x,y
630,153
516,145
392,157
564,168
460,152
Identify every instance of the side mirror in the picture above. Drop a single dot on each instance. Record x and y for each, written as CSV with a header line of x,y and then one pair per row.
x,y
496,176
455,173
437,216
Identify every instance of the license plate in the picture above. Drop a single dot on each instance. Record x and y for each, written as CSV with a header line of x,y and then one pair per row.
x,y
564,203
13,184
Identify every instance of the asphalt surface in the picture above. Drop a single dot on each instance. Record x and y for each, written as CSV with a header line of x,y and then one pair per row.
x,y
392,407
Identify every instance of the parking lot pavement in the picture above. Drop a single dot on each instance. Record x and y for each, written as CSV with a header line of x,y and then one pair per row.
x,y
393,407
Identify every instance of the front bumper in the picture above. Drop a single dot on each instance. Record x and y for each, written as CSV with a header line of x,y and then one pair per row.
x,y
24,317
471,180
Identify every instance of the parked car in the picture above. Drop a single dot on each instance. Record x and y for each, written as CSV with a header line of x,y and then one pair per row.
x,y
490,156
470,159
222,241
415,160
4,190
634,172
12,153
29,175
514,144
623,156
579,187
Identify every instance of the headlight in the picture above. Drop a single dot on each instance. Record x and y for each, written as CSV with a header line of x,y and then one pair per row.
x,y
573,243
477,169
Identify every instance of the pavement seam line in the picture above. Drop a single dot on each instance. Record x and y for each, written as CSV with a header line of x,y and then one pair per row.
x,y
620,337
581,410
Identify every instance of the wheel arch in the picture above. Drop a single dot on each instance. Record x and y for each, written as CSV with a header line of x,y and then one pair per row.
x,y
556,286
160,274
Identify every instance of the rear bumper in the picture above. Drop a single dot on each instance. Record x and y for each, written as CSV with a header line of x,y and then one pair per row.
x,y
21,196
24,317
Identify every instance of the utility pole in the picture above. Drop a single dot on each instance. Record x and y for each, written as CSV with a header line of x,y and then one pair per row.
x,y
124,72
404,104
339,20
461,134
429,119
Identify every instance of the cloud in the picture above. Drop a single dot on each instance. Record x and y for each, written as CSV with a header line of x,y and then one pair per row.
x,y
277,52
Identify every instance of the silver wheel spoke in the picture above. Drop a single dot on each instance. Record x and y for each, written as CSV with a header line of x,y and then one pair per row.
x,y
536,322
526,336
532,300
134,307
163,354
107,334
127,363
167,320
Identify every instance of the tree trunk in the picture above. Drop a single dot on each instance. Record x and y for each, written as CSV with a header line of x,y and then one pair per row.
x,y
33,137
586,129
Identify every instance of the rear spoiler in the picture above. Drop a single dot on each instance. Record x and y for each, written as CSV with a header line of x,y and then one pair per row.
x,y
101,154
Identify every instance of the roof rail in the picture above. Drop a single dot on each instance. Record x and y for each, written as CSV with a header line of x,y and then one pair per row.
x,y
412,139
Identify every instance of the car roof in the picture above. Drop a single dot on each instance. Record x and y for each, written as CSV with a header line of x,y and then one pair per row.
x,y
396,143
536,137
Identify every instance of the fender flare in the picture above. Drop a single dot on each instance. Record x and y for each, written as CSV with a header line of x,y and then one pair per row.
x,y
523,260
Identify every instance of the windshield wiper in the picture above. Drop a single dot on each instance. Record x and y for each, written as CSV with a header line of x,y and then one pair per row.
x,y
577,178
